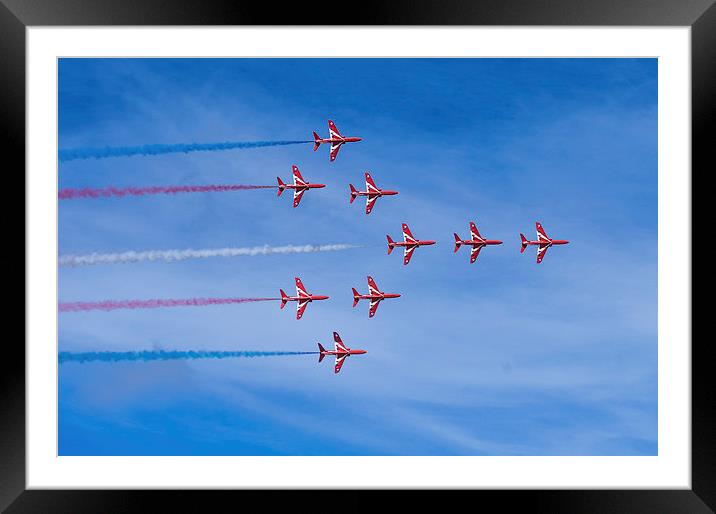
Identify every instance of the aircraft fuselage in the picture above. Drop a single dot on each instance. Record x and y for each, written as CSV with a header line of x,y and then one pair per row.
x,y
309,298
486,242
333,140
339,353
381,296
370,194
302,187
547,243
425,242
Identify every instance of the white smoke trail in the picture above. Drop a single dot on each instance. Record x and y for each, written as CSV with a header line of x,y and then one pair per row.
x,y
180,255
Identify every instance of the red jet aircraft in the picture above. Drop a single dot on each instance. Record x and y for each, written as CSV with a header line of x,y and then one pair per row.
x,y
299,186
341,352
409,242
477,242
335,139
371,192
302,297
543,242
375,296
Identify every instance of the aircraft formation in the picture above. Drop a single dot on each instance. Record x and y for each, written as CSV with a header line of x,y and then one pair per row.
x,y
409,243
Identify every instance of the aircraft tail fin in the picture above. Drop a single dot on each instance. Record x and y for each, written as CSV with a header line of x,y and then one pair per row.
x,y
391,244
321,352
355,297
281,186
284,298
524,242
316,141
354,192
458,242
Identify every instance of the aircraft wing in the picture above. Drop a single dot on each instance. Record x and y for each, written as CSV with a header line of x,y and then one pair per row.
x,y
300,289
373,308
297,195
333,130
297,177
300,307
370,185
474,253
369,203
340,359
541,251
407,254
334,151
372,286
340,347
541,234
474,232
407,234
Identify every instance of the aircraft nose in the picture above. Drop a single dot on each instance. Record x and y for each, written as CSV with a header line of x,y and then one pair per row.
x,y
320,185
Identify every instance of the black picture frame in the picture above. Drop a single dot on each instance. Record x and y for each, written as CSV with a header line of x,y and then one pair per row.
x,y
17,15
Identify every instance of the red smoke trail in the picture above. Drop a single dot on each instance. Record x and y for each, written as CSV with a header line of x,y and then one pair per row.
x,y
71,194
110,305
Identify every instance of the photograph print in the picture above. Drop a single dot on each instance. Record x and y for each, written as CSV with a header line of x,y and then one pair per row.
x,y
364,256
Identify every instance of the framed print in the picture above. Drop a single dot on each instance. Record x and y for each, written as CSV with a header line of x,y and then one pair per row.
x,y
215,197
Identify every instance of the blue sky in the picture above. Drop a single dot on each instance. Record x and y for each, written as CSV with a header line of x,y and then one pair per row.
x,y
503,357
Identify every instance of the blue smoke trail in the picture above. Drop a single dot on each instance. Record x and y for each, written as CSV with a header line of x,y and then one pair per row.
x,y
163,355
127,151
